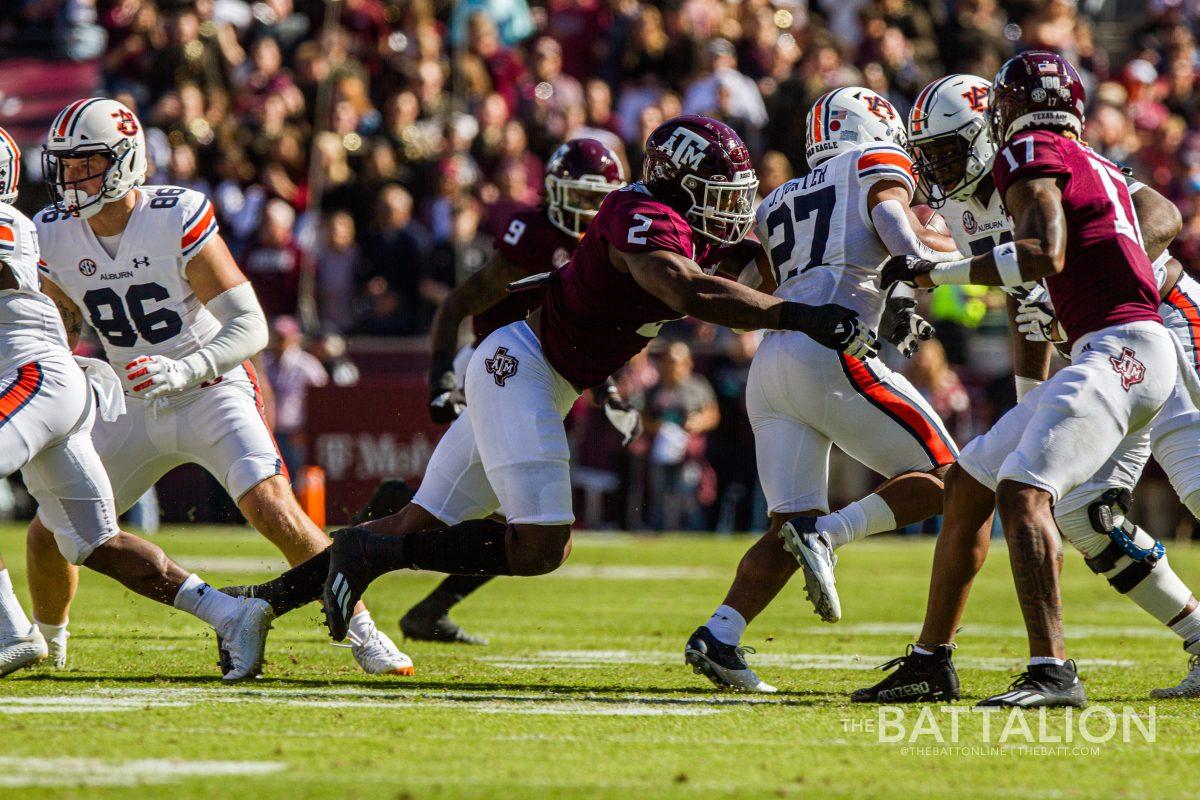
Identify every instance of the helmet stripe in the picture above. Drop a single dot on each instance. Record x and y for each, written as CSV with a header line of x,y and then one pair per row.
x,y
16,156
65,116
923,99
79,114
816,115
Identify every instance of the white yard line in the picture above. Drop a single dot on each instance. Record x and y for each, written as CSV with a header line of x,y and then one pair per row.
x,y
26,771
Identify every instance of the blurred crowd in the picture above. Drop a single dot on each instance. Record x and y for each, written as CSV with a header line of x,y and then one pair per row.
x,y
363,153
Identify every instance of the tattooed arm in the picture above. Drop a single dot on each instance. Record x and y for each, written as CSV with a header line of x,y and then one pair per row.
x,y
72,317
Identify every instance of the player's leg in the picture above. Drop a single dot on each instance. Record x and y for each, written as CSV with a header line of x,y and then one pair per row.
x,y
21,643
53,582
428,620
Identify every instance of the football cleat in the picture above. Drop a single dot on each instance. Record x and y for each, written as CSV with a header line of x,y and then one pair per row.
x,y
391,495
223,661
246,639
918,678
378,655
722,663
423,626
18,652
1041,685
56,650
815,555
347,580
1188,687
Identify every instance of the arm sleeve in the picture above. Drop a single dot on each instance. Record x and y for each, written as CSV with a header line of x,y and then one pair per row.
x,y
891,222
243,334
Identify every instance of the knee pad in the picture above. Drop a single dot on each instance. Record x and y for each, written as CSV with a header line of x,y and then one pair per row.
x,y
1111,545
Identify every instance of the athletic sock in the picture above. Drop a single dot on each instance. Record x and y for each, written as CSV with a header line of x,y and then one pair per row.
x,y
211,605
1035,661
475,547
297,587
921,651
361,627
13,621
1188,629
858,520
450,593
727,625
53,632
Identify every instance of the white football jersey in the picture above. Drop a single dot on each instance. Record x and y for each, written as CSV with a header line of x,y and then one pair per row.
x,y
819,235
30,326
139,301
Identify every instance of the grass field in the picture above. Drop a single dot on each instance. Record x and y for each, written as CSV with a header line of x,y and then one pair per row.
x,y
582,692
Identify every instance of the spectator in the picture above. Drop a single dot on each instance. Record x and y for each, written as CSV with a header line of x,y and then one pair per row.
x,y
680,410
292,372
394,254
744,100
273,263
739,505
337,268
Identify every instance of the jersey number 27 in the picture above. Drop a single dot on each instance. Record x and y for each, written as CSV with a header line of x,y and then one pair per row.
x,y
812,213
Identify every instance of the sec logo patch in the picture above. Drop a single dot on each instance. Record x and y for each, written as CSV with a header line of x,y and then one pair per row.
x,y
969,224
87,267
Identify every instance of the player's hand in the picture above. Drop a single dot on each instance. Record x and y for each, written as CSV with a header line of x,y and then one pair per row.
x,y
624,417
903,269
903,326
446,400
157,376
831,325
1035,319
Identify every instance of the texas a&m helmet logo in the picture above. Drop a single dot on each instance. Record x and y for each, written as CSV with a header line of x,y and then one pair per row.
x,y
686,147
1129,368
977,97
501,366
126,122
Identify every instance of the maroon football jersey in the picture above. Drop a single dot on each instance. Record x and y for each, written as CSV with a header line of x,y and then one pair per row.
x,y
1108,279
595,317
529,241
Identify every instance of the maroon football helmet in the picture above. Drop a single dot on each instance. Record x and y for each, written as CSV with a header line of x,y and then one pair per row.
x,y
579,175
701,168
1036,90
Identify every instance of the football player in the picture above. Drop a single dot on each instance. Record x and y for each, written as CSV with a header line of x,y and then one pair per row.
x,y
47,407
147,268
954,151
1075,227
826,234
579,174
649,257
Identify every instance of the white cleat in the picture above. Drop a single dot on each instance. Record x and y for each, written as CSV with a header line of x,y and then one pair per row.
x,y
246,639
1188,687
723,664
57,650
21,651
378,655
815,555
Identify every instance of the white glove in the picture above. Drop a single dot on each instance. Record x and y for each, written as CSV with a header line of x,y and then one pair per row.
x,y
157,376
624,417
1035,319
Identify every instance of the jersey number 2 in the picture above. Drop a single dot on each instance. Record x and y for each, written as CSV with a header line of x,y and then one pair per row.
x,y
821,201
121,328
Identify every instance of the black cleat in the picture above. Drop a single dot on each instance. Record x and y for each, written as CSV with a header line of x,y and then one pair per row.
x,y
1041,685
918,679
349,576
435,626
389,497
224,661
721,663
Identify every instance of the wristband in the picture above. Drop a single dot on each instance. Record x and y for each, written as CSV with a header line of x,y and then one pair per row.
x,y
951,272
1007,264
1025,386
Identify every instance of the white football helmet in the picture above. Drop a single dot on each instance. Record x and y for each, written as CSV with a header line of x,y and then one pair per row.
x,y
845,118
88,127
949,137
10,167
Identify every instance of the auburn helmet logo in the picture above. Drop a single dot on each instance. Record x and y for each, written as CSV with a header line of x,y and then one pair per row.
x,y
977,97
126,122
880,107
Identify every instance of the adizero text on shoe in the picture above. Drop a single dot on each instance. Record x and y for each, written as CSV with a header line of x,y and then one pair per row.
x,y
1188,687
815,555
1042,685
721,663
346,582
246,639
378,655
423,627
19,652
918,678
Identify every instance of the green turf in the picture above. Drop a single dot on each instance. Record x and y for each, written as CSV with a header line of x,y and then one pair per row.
x,y
582,692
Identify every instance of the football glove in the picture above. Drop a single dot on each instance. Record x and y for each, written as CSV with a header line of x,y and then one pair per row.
x,y
446,400
903,326
903,269
1036,321
831,325
152,377
622,416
